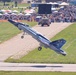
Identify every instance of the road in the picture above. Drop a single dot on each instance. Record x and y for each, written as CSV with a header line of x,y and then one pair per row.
x,y
37,67
17,47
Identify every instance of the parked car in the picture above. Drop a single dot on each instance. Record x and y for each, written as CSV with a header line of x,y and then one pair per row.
x,y
44,21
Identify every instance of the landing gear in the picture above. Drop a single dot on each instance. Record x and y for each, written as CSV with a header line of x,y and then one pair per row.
x,y
23,35
39,48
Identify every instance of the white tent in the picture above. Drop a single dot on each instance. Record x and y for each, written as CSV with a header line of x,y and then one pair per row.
x,y
29,11
62,7
0,14
64,4
28,14
5,14
55,12
50,3
20,14
15,11
53,9
38,17
3,10
13,14
53,3
8,11
32,10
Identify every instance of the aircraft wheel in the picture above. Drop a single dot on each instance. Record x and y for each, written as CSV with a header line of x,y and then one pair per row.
x,y
48,25
22,37
39,48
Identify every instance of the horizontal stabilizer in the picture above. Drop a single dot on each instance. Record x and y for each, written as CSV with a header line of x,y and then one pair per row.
x,y
58,43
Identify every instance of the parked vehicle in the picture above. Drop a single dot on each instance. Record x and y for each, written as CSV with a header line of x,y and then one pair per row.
x,y
44,22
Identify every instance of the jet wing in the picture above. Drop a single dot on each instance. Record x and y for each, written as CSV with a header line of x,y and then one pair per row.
x,y
58,43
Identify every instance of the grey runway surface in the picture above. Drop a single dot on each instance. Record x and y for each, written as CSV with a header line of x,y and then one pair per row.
x,y
37,67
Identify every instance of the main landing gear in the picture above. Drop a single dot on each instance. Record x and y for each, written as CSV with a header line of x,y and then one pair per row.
x,y
39,48
23,35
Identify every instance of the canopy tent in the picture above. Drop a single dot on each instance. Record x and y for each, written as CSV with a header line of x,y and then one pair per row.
x,y
20,14
15,11
64,4
53,9
1,14
55,3
3,10
29,11
6,14
62,7
32,10
38,16
28,14
52,3
13,14
8,11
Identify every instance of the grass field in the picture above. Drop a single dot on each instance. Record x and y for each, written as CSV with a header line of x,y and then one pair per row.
x,y
8,4
36,73
18,8
7,30
49,56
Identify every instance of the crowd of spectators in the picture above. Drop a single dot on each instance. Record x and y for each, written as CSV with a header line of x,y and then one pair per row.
x,y
19,16
66,14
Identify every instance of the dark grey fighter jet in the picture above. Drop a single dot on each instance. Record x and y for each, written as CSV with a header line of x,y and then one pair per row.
x,y
54,45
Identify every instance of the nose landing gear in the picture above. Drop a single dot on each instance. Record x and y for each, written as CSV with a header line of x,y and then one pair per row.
x,y
39,48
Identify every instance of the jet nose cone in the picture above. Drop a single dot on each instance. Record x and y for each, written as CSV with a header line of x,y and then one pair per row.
x,y
13,22
10,20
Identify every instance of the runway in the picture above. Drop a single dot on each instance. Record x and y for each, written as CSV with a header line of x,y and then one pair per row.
x,y
17,47
37,67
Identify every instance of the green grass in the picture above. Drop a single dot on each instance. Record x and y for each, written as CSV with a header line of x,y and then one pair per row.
x,y
18,8
37,73
49,56
24,5
7,30
12,3
30,23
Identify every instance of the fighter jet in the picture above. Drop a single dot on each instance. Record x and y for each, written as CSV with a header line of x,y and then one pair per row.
x,y
54,45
